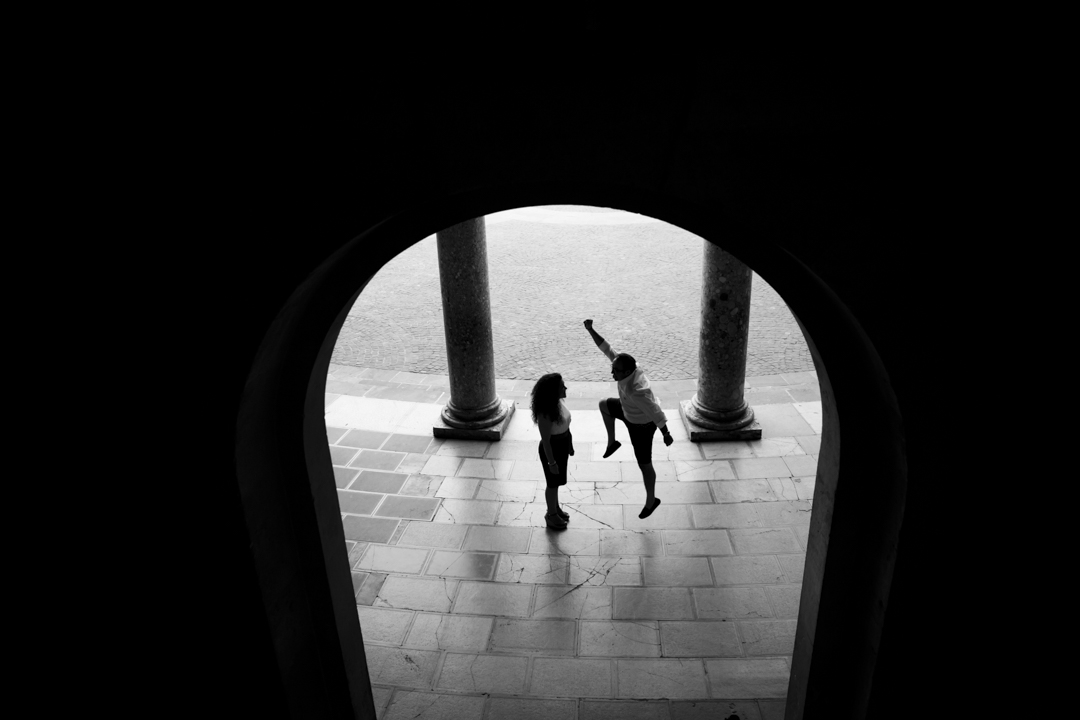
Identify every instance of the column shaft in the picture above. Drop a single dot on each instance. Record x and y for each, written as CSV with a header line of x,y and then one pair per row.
x,y
718,411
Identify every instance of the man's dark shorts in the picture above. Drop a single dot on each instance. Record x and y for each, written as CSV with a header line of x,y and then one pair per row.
x,y
641,435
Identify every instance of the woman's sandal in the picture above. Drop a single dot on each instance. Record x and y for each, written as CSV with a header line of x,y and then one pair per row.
x,y
563,515
555,522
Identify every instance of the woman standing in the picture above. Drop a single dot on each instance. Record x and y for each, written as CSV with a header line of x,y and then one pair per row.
x,y
552,416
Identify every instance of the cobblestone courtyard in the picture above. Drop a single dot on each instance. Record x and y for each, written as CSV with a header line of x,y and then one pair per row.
x,y
549,268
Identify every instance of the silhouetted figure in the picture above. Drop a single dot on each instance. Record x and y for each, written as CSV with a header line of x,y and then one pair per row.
x,y
639,410
551,415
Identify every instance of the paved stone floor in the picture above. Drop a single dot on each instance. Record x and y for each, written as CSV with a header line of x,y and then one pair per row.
x,y
550,268
471,608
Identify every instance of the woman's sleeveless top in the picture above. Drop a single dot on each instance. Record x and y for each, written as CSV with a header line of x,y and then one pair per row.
x,y
557,428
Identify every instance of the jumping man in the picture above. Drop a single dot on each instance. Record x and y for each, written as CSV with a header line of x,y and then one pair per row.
x,y
639,410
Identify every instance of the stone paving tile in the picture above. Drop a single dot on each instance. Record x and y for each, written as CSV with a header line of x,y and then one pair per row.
x,y
405,506
773,709
377,460
551,637
666,516
500,708
811,412
665,470
572,541
776,447
597,571
499,599
747,570
793,566
802,465
413,705
538,569
369,590
782,421
697,542
449,632
463,448
344,476
515,514
432,594
785,512
766,380
333,433
804,393
367,439
526,470
811,444
622,493
768,637
416,395
749,541
631,542
512,450
497,539
767,396
802,533
740,491
444,465
623,710
727,450
571,677
749,678
661,678
699,638
785,600
342,455
393,559
604,517
413,464
658,603
465,565
381,695
382,625
485,468
407,443
677,571
585,471
400,667
468,512
433,535
699,470
358,579
358,503
734,515
793,488
748,469
364,529
356,550
620,638
483,673
555,601
710,709
508,491
378,481
460,488
731,603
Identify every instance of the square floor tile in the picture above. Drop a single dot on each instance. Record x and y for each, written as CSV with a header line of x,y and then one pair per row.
x,y
802,465
601,571
356,550
341,455
727,450
468,565
811,444
677,571
365,529
802,534
463,448
459,488
574,677
735,603
749,541
508,490
749,678
383,625
444,465
333,433
536,569
377,460
785,599
665,516
418,705
344,476
587,471
652,604
378,481
468,512
433,594
792,566
607,517
525,470
629,542
484,673
406,506
697,542
449,632
500,708
434,535
768,637
358,503
776,447
407,443
752,468
413,463
699,470
534,636
773,709
661,678
512,450
700,638
731,515
499,599
793,488
738,491
571,541
556,601
620,638
811,413
485,468
683,493
400,667
367,439
746,570
497,539
393,559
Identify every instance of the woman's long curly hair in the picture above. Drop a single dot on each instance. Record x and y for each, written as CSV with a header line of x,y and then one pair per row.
x,y
545,397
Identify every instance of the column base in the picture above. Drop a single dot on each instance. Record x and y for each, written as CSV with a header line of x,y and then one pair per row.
x,y
700,433
490,433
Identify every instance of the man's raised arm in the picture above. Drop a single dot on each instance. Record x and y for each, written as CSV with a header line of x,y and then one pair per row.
x,y
604,347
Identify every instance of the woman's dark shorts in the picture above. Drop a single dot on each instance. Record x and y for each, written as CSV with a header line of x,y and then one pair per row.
x,y
560,446
641,435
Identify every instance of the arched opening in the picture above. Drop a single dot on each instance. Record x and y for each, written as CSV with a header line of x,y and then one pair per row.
x,y
288,487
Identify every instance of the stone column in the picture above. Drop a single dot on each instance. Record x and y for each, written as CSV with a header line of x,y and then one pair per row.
x,y
718,411
474,412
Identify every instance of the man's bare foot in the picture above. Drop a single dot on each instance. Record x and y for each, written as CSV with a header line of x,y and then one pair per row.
x,y
649,510
612,448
